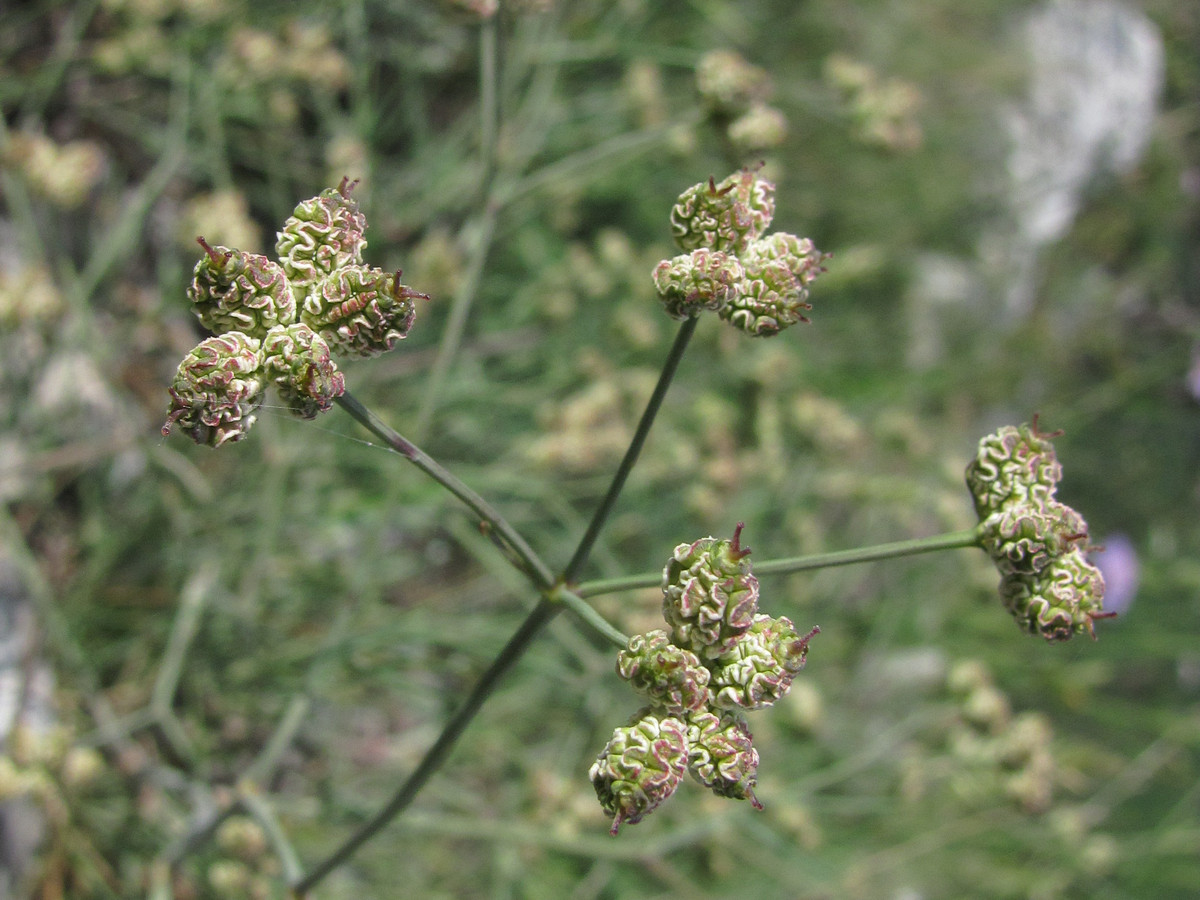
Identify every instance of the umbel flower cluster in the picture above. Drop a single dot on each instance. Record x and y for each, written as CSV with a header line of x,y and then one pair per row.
x,y
735,92
280,323
718,659
1037,542
755,281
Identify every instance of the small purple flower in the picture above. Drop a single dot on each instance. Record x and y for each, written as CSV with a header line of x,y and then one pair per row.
x,y
1193,378
1118,561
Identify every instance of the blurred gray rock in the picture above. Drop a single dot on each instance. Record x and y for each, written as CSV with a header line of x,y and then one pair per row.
x,y
1096,72
26,685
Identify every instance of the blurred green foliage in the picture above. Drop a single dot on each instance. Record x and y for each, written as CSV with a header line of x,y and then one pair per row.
x,y
341,601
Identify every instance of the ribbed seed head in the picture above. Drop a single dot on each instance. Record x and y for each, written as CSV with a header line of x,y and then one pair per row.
x,y
236,291
702,279
774,294
1062,600
760,127
1024,539
728,84
323,234
296,360
669,676
640,767
758,670
217,388
723,216
1013,465
721,756
360,311
710,596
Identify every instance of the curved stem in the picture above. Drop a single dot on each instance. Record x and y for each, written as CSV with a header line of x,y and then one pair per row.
x,y
583,551
953,540
555,598
481,230
950,541
523,555
489,106
537,619
591,618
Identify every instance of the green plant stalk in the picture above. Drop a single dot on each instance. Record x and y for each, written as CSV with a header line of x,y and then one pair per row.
x,y
482,230
183,631
583,611
555,598
262,812
436,756
950,541
525,557
489,104
583,551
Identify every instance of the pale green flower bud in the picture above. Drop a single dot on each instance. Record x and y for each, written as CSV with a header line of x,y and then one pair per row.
x,y
709,595
81,766
229,878
774,294
728,84
217,388
13,780
702,279
1063,599
322,234
236,291
243,837
758,670
761,127
669,676
1013,465
721,756
1024,539
640,767
360,311
296,360
723,216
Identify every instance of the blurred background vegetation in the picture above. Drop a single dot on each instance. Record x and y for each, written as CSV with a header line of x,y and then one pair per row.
x,y
279,629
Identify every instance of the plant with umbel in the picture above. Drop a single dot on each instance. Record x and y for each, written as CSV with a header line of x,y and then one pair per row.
x,y
721,658
718,657
279,323
1037,542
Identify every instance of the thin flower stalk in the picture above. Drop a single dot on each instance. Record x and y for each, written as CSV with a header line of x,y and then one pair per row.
x,y
893,550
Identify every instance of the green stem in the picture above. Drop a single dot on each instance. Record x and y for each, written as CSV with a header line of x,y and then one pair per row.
x,y
596,157
489,106
951,541
264,814
435,757
583,551
523,555
263,767
590,617
481,230
555,598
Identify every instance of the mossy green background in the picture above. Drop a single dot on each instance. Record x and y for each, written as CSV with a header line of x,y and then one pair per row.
x,y
341,577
